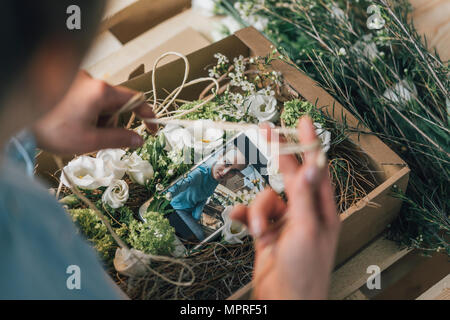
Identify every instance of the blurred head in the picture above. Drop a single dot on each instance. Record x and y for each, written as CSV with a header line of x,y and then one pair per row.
x,y
228,165
40,56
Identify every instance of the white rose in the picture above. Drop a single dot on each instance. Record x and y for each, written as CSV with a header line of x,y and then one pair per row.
x,y
401,92
263,107
87,173
116,194
203,137
275,177
174,135
233,231
113,161
324,136
140,171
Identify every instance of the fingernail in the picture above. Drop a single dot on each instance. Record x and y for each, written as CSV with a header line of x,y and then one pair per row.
x,y
312,174
256,228
136,141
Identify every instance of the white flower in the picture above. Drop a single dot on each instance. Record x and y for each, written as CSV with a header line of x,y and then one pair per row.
x,y
174,135
263,107
342,52
113,161
233,231
87,173
401,92
203,137
140,171
275,177
324,136
116,194
159,187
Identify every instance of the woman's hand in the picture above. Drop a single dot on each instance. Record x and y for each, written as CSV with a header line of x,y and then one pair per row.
x,y
74,126
294,261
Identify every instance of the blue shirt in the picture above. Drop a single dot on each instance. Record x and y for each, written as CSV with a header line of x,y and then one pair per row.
x,y
191,193
38,241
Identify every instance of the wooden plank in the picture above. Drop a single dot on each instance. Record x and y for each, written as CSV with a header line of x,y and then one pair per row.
x,y
185,42
440,291
414,275
353,275
147,42
116,11
104,45
146,14
141,46
347,280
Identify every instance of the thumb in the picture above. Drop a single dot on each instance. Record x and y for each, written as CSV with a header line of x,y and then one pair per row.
x,y
105,138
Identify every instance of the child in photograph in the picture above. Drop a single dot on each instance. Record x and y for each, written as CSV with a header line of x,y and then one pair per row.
x,y
190,194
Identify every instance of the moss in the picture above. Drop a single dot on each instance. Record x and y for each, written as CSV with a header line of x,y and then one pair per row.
x,y
154,236
95,233
295,109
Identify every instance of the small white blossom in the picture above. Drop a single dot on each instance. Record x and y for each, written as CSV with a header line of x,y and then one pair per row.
x,y
342,52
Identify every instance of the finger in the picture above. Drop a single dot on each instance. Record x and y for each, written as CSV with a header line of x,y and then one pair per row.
x,y
145,111
302,199
113,138
111,99
288,164
307,135
267,205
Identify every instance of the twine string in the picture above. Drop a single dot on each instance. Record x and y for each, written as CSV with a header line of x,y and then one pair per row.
x,y
120,242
